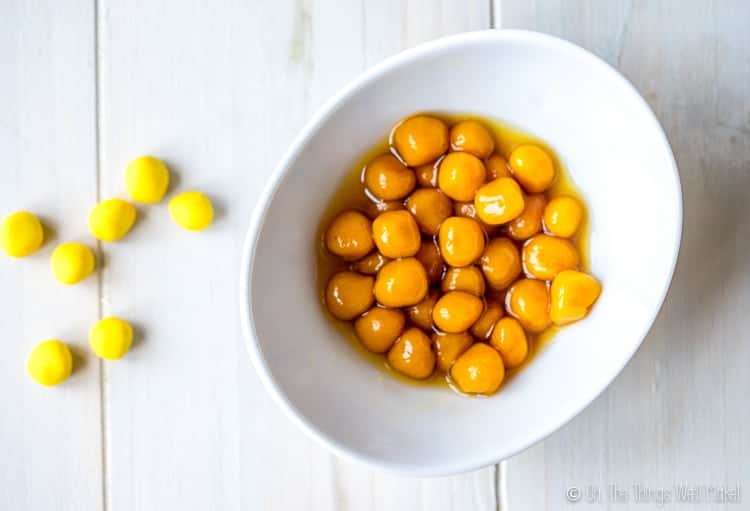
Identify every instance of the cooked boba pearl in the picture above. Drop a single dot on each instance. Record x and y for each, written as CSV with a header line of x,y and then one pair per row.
x,y
350,235
349,294
545,256
532,167
378,328
420,139
572,295
479,370
472,137
457,311
449,347
528,301
388,179
396,234
412,355
510,340
401,283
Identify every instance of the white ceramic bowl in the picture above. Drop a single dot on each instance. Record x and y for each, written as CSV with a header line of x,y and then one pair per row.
x,y
614,150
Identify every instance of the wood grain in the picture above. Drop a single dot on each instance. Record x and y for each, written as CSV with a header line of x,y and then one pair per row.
x,y
188,423
678,413
50,449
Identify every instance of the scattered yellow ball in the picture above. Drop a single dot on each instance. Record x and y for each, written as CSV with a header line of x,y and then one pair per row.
x,y
111,219
21,234
50,363
72,262
146,179
191,210
111,338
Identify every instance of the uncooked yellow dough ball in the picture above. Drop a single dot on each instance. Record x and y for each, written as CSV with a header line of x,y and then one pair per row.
x,y
146,179
111,338
111,219
72,262
191,210
50,362
21,234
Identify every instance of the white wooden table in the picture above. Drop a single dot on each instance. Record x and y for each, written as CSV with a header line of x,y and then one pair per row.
x,y
218,89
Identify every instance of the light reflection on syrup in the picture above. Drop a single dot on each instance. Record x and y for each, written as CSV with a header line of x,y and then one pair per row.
x,y
351,194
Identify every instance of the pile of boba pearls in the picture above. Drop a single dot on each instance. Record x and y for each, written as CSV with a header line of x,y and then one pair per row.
x,y
21,234
461,257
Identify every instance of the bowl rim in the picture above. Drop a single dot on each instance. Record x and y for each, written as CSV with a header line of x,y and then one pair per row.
x,y
274,180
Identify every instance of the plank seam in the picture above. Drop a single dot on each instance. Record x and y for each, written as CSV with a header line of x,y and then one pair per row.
x,y
103,390
495,13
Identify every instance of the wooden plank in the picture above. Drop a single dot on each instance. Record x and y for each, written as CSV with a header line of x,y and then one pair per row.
x,y
678,414
49,437
218,91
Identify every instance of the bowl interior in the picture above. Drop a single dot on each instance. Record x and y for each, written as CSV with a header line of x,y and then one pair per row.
x,y
615,152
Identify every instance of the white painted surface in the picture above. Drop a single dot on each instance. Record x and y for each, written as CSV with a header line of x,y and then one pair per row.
x,y
219,90
50,444
678,414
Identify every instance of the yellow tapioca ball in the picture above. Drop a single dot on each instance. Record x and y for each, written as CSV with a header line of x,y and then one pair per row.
x,y
191,210
146,179
111,219
72,262
50,362
21,234
110,338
